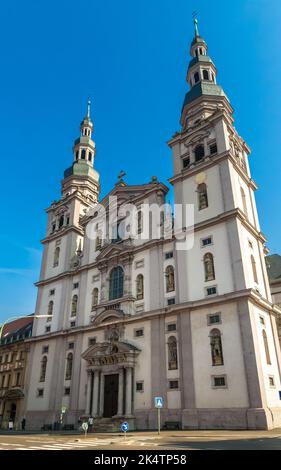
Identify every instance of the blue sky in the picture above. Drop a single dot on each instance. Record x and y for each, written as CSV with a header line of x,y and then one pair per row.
x,y
131,57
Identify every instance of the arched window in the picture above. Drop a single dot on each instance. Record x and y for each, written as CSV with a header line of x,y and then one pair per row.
x,y
77,155
116,283
170,279
216,347
50,310
56,256
196,77
43,369
68,369
140,220
74,305
209,267
83,154
139,288
202,196
199,153
90,156
95,297
172,353
254,269
201,51
61,221
205,74
266,348
244,202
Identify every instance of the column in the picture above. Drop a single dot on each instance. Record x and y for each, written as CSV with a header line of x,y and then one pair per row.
x,y
120,392
128,391
95,410
88,398
101,394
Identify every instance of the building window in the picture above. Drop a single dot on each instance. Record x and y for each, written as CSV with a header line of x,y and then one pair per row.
x,y
40,392
83,154
50,310
219,381
139,332
202,196
169,255
72,324
213,149
68,370
173,384
67,220
171,301
266,347
244,202
18,379
170,279
98,238
139,386
213,318
271,381
56,256
92,341
205,75
45,349
74,305
171,327
206,241
53,227
172,353
47,329
185,162
254,269
77,155
216,348
75,285
52,292
95,297
199,153
70,345
116,283
67,391
90,156
209,268
43,370
262,320
196,77
140,287
140,221
61,221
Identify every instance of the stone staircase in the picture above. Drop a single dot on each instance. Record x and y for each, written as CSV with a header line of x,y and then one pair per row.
x,y
111,424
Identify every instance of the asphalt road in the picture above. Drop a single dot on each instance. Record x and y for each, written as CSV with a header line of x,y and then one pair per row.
x,y
168,440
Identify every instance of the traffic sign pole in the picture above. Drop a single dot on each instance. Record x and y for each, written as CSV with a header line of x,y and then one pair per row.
x,y
159,419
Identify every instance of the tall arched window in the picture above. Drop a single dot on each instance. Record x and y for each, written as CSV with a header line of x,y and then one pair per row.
x,y
43,369
199,153
170,279
266,348
68,370
196,77
254,269
61,221
50,310
74,305
216,347
209,267
116,283
90,156
83,154
244,202
202,196
205,74
95,297
56,256
139,288
172,353
140,220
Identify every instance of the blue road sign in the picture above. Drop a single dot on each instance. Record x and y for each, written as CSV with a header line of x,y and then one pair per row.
x,y
125,427
158,402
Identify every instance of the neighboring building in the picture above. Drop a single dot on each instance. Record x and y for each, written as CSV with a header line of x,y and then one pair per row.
x,y
135,319
274,274
14,351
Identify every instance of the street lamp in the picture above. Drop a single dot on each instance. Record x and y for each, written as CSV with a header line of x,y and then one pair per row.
x,y
18,318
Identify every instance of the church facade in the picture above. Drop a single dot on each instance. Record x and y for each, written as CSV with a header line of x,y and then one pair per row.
x,y
135,318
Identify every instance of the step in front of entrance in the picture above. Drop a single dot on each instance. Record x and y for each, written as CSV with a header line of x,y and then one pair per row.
x,y
112,424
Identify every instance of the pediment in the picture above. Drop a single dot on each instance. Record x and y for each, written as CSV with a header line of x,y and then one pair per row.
x,y
100,350
109,315
114,249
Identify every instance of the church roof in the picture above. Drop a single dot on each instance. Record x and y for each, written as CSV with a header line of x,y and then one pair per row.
x,y
203,88
81,168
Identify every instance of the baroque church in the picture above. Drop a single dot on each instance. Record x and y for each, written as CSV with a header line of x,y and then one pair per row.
x,y
130,320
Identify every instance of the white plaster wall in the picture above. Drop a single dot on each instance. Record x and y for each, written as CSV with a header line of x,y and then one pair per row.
x,y
145,271
235,395
40,324
237,184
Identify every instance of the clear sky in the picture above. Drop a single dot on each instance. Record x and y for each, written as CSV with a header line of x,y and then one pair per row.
x,y
131,57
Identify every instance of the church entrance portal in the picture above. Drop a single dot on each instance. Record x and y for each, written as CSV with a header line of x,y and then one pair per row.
x,y
110,395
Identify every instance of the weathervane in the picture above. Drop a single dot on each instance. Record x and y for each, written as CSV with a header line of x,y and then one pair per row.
x,y
121,174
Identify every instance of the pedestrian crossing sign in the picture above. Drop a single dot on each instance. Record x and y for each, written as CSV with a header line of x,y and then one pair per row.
x,y
158,402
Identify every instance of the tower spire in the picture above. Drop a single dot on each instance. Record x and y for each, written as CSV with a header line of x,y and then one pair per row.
x,y
89,108
195,21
